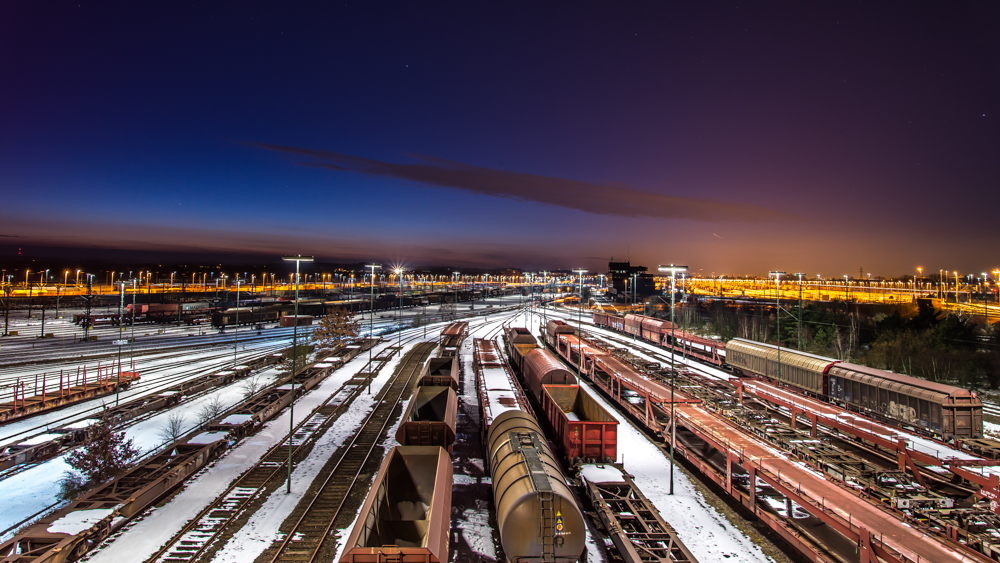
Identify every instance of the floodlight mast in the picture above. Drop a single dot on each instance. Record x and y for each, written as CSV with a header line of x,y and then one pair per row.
x,y
298,259
579,324
371,323
799,275
674,270
777,312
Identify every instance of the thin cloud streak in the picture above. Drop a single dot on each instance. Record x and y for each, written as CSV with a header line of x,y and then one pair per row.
x,y
599,199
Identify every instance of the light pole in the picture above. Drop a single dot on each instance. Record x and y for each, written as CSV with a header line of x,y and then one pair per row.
x,y
371,324
121,333
399,332
777,313
800,274
454,286
236,331
579,324
673,372
298,259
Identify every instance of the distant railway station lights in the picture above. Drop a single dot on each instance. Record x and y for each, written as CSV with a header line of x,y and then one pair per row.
x,y
371,324
674,270
298,259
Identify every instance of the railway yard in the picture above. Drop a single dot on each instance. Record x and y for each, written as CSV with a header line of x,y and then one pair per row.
x,y
515,433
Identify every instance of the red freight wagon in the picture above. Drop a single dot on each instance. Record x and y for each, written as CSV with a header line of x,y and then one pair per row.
x,y
440,372
430,418
583,428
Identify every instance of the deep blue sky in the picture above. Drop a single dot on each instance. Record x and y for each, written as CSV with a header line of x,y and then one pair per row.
x,y
818,138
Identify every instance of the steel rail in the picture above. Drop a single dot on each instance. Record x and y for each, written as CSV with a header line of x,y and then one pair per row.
x,y
270,465
332,492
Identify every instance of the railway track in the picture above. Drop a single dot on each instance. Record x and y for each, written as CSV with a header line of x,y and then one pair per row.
x,y
306,537
137,390
213,524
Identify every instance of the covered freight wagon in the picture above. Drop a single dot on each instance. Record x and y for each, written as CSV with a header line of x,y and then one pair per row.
x,y
949,411
787,366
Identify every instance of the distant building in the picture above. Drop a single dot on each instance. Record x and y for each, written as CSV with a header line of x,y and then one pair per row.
x,y
620,280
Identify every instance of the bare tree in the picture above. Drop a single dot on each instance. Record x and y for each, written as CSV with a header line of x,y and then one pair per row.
x,y
251,386
212,409
173,429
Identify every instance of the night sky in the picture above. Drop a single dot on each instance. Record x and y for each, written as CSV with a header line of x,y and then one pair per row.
x,y
814,137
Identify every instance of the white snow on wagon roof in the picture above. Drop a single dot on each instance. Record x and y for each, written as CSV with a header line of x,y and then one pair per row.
x,y
79,520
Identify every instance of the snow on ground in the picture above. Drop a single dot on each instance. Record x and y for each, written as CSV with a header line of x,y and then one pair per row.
x,y
706,532
35,488
261,531
143,538
155,373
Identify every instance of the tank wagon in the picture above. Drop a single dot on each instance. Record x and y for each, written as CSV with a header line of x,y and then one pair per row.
x,y
407,515
430,418
936,408
537,516
440,372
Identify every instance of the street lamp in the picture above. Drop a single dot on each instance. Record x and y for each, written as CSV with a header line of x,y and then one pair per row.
x,y
399,332
673,372
371,324
298,259
800,274
579,324
777,312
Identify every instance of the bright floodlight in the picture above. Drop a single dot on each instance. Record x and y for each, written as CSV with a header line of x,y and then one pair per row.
x,y
298,258
776,274
672,269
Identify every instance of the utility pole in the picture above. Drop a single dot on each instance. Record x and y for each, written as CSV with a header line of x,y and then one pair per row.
x,y
371,325
295,349
673,371
121,333
777,312
579,324
800,274
236,331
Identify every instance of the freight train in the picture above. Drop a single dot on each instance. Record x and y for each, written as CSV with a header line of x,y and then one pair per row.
x,y
538,518
585,431
934,408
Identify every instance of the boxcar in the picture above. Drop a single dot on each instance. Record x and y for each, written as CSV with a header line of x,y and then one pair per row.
x,y
948,411
554,328
430,418
790,367
583,428
407,514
